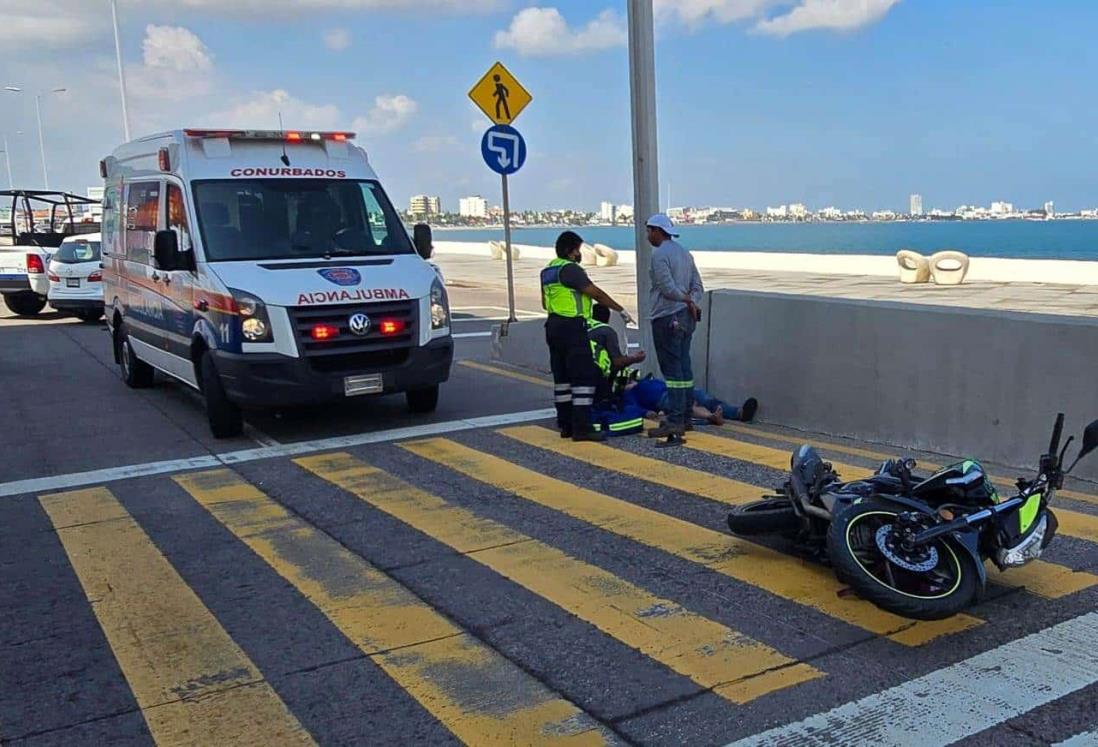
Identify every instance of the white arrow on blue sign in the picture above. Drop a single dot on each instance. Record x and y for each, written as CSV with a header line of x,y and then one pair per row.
x,y
503,149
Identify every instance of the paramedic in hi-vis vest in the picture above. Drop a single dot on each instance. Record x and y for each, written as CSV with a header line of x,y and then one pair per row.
x,y
569,295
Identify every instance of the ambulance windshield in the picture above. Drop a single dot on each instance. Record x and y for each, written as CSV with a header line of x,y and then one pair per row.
x,y
252,219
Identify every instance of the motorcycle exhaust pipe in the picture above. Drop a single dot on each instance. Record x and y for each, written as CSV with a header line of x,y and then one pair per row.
x,y
819,513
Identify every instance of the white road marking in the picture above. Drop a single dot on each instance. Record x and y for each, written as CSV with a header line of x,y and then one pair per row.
x,y
960,700
463,335
495,308
1088,739
111,474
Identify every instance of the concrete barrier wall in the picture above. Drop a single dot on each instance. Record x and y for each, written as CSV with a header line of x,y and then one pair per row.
x,y
947,380
523,344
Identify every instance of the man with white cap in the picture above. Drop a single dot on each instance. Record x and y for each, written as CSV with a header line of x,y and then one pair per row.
x,y
673,302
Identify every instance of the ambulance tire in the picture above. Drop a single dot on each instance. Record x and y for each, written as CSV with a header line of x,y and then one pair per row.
x,y
422,400
226,419
24,304
135,372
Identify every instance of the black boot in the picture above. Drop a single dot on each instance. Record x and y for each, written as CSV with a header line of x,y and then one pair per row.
x,y
597,436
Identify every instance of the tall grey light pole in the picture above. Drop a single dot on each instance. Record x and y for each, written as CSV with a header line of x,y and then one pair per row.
x,y
41,137
7,161
121,70
646,177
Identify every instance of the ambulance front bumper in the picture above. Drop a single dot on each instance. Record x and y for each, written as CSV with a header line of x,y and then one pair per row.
x,y
270,380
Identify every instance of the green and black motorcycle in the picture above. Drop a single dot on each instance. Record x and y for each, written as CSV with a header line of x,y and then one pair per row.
x,y
915,547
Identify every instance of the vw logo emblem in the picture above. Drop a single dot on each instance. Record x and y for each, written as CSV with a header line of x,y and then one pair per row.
x,y
360,325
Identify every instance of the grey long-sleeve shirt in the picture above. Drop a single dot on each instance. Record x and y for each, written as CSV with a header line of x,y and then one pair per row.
x,y
675,280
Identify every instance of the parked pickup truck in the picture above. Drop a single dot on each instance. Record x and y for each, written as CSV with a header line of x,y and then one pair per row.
x,y
25,257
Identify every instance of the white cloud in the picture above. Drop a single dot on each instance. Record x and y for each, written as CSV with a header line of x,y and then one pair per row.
x,y
390,113
838,15
177,65
261,110
695,13
543,32
175,48
53,23
35,24
337,39
305,6
792,15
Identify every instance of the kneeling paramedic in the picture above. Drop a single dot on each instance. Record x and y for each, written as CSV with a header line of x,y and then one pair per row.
x,y
568,295
611,413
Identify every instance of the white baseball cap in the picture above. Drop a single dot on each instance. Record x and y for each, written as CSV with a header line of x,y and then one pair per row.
x,y
662,222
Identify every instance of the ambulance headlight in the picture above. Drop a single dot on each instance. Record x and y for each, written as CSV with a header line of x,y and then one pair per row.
x,y
254,329
440,307
255,326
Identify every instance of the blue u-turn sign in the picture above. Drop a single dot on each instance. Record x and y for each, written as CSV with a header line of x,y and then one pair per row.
x,y
503,149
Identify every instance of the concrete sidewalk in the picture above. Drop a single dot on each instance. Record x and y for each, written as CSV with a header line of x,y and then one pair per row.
x,y
1036,298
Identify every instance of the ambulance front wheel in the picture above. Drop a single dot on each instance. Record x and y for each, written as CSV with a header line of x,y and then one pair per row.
x,y
423,400
226,420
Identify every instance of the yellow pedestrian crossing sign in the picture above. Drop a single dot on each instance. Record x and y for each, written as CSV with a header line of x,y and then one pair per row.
x,y
500,96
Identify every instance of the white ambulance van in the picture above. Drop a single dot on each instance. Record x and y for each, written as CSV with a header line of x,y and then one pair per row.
x,y
267,269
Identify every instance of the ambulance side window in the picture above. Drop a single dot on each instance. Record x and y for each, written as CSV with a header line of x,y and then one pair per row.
x,y
110,220
378,228
177,221
142,211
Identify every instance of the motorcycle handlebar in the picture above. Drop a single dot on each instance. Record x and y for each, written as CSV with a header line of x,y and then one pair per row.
x,y
1057,431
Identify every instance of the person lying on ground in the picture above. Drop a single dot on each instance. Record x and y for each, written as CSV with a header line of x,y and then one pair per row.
x,y
650,394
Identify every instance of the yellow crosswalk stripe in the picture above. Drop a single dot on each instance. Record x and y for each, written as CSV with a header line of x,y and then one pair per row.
x,y
1046,579
779,574
194,685
715,657
657,471
1000,482
476,693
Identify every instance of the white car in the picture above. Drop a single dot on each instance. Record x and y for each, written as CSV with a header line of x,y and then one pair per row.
x,y
76,277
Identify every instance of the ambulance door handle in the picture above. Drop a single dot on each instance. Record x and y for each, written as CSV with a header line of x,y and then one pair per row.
x,y
155,278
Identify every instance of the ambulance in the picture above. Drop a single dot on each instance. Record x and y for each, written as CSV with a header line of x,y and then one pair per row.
x,y
267,269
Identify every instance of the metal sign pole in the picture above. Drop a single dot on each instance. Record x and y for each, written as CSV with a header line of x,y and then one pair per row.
x,y
507,243
646,179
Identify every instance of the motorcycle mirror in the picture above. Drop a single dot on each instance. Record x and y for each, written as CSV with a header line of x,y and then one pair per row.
x,y
1090,443
1090,439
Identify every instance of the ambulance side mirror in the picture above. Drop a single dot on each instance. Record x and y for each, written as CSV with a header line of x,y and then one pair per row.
x,y
421,236
166,251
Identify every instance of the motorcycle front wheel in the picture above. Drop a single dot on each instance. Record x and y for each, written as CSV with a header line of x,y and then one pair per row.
x,y
930,582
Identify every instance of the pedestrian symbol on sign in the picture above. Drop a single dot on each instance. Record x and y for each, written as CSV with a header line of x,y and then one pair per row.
x,y
501,100
500,96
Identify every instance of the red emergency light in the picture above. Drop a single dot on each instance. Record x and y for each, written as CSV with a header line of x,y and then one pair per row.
x,y
164,160
389,327
322,332
289,136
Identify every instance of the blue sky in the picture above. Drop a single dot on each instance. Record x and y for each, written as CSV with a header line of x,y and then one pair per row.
x,y
853,103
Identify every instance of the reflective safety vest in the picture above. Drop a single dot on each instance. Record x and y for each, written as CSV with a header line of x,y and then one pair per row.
x,y
559,299
604,362
599,352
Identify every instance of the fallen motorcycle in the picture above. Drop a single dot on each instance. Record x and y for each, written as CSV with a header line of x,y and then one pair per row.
x,y
915,547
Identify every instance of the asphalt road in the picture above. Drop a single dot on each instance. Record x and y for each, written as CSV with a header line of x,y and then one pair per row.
x,y
357,575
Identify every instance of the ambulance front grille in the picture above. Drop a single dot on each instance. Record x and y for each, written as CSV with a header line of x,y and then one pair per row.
x,y
349,347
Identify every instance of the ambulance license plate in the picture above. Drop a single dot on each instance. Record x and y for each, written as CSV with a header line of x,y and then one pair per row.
x,y
368,384
72,282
